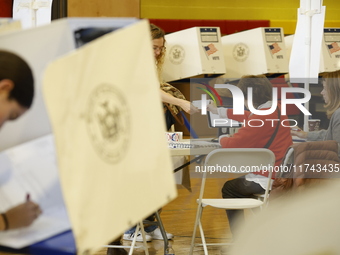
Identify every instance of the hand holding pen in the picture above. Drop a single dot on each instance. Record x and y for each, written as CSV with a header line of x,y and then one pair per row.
x,y
21,215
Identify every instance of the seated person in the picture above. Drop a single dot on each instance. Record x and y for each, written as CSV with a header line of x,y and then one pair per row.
x,y
331,95
253,136
16,96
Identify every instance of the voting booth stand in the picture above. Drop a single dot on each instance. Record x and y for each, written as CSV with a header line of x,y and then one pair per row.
x,y
191,52
256,51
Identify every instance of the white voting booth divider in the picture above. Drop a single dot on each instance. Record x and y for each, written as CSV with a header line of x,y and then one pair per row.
x,y
114,163
38,46
32,13
192,52
256,51
330,49
304,62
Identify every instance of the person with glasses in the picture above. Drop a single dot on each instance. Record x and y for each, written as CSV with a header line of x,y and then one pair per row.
x,y
174,98
159,49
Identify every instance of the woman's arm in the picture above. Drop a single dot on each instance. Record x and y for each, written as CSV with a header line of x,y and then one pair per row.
x,y
184,104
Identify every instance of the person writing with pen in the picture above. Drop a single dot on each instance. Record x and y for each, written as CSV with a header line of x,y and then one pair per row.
x,y
16,96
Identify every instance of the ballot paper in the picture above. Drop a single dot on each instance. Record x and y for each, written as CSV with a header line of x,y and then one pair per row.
x,y
31,169
106,114
32,13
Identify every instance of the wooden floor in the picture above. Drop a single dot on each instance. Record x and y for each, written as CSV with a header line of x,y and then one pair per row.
x,y
178,218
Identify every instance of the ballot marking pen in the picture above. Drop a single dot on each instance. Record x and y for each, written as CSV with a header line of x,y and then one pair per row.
x,y
27,197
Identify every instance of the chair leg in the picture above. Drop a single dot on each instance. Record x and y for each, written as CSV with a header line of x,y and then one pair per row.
x,y
204,243
134,239
198,217
144,238
161,228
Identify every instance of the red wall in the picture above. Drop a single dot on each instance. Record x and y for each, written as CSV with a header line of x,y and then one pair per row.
x,y
6,8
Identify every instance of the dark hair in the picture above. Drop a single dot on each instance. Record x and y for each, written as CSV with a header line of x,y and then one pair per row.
x,y
262,88
16,69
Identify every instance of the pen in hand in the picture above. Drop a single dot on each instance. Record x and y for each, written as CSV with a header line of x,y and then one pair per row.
x,y
27,197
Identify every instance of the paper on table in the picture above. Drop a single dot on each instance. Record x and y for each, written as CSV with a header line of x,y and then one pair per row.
x,y
105,108
31,168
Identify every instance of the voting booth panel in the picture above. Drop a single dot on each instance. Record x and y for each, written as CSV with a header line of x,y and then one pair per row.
x,y
191,52
256,51
330,49
38,46
114,163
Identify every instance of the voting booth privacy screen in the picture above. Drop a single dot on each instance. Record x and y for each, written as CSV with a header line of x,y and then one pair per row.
x,y
330,49
39,46
193,52
256,51
111,158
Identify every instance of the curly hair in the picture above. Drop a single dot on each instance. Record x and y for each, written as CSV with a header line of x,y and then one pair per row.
x,y
157,33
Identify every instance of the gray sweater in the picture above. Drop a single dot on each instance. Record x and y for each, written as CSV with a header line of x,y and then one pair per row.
x,y
332,133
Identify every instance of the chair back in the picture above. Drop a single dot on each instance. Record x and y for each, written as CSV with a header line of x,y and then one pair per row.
x,y
239,161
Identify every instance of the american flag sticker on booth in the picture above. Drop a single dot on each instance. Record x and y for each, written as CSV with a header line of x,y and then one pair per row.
x,y
210,49
274,48
333,47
